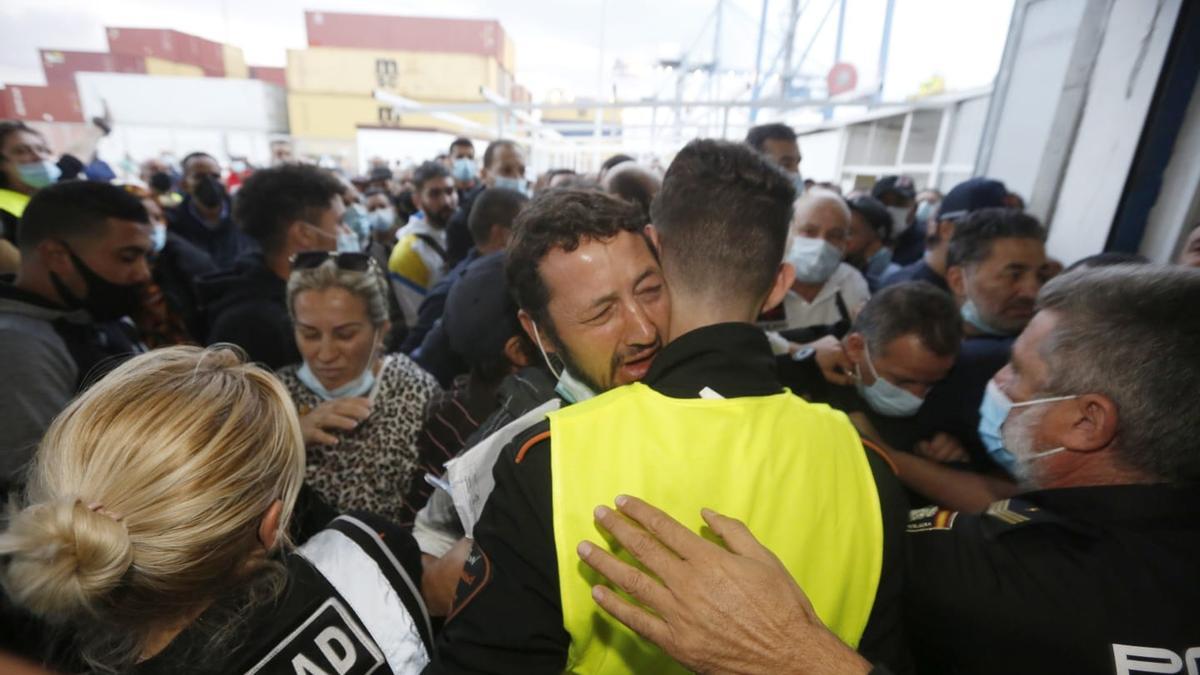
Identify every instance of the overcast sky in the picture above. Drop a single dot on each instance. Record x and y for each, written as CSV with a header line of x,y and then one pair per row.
x,y
558,44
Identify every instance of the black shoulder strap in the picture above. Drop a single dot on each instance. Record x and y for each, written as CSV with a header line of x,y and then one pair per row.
x,y
409,590
433,244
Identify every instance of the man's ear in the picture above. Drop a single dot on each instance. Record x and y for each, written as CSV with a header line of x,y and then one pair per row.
x,y
515,353
956,277
784,278
268,529
652,234
533,332
1092,423
54,256
855,346
297,237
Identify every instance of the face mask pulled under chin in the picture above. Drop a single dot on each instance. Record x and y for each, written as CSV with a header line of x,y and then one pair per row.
x,y
900,221
105,300
569,387
359,386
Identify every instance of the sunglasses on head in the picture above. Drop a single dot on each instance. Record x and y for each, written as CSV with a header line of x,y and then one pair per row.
x,y
350,262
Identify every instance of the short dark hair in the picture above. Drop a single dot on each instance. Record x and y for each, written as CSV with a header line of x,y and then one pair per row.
x,y
973,237
911,308
561,218
722,217
462,140
193,155
272,199
616,159
75,209
635,185
875,213
1106,259
758,136
489,153
1129,332
495,206
428,171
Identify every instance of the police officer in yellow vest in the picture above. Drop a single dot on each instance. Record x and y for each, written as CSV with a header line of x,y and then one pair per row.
x,y
710,425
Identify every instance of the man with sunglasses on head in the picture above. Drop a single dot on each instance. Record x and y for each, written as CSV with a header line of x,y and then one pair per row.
x,y
286,209
83,263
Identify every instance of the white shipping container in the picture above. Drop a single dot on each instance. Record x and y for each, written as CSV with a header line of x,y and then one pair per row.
x,y
207,103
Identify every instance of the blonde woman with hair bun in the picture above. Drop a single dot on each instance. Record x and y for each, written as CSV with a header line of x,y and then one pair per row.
x,y
154,527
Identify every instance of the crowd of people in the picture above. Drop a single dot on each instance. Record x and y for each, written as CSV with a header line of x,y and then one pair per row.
x,y
715,419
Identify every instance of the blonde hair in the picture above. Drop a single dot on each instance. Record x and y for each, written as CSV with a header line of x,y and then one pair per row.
x,y
147,493
368,286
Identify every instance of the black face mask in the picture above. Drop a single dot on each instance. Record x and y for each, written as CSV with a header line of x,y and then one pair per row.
x,y
160,181
209,192
105,300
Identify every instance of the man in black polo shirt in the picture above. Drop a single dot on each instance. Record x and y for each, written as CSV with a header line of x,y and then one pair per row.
x,y
508,614
901,345
996,266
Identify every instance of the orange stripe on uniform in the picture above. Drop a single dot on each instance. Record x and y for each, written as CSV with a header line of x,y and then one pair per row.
x,y
882,455
544,436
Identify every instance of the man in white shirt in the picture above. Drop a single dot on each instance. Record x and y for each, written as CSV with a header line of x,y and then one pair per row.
x,y
827,292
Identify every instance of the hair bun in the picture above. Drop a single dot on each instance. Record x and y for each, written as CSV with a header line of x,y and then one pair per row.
x,y
65,557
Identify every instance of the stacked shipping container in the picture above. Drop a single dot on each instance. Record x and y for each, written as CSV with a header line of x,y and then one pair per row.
x,y
331,84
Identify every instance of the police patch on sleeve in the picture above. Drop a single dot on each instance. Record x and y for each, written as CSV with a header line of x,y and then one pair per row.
x,y
476,573
931,518
331,640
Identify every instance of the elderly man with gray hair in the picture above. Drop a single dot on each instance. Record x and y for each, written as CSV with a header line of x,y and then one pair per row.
x,y
1091,568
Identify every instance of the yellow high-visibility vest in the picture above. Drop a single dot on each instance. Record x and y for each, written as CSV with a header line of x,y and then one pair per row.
x,y
14,202
795,472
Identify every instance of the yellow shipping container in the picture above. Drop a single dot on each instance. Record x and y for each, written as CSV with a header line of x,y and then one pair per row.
x,y
510,55
419,75
157,66
332,116
235,62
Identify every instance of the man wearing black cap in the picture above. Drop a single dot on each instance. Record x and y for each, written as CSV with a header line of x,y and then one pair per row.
x,y
966,197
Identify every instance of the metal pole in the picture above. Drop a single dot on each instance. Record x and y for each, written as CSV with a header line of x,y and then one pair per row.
x,y
883,46
716,54
599,117
827,113
762,29
785,78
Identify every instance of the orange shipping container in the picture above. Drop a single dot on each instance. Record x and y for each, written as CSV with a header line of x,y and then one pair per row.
x,y
410,33
41,104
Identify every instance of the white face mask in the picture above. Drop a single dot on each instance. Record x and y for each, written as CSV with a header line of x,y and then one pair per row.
x,y
815,260
363,385
900,221
569,387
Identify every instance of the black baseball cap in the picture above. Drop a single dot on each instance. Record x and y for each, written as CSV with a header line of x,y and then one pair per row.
x,y
970,196
899,185
480,314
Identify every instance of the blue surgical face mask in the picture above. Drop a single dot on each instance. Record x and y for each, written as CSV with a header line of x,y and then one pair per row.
x,y
798,183
39,174
518,184
970,314
347,241
464,170
815,260
359,386
993,412
383,219
570,388
355,218
158,237
886,398
925,211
